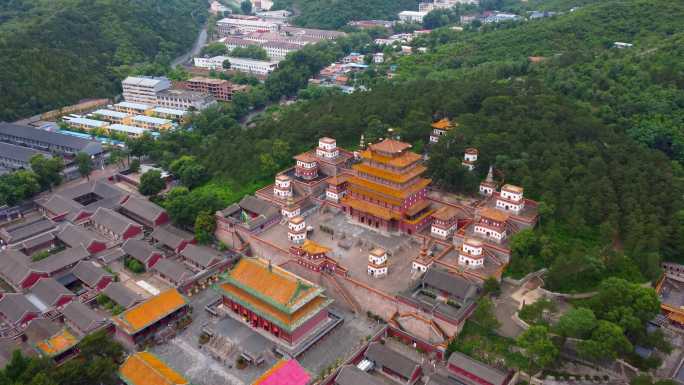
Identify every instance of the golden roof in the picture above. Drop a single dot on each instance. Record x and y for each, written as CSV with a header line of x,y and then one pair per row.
x,y
445,213
405,159
366,207
312,247
388,191
512,188
272,282
443,124
378,252
144,368
418,207
494,214
150,311
390,146
269,311
58,343
389,175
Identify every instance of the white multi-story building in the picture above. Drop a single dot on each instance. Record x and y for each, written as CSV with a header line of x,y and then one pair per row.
x,y
327,148
257,67
276,50
377,263
283,187
412,16
144,89
469,158
471,253
296,229
229,26
511,198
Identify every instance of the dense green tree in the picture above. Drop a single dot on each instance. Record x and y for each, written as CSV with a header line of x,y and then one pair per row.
x,y
48,170
626,304
484,315
491,286
250,51
577,323
538,347
151,183
92,45
215,49
85,164
18,186
205,225
189,171
607,341
184,206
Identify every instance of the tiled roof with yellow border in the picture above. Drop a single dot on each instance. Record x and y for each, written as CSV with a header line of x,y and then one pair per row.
x,y
272,285
405,159
312,247
144,368
398,194
390,146
369,208
57,344
389,175
150,311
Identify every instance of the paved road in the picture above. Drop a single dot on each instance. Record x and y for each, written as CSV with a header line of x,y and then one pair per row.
x,y
195,50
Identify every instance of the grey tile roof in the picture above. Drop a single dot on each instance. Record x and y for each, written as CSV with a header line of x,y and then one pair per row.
x,y
48,138
26,230
41,329
436,379
20,153
111,255
59,205
84,318
14,306
172,270
122,295
452,284
49,291
74,236
89,273
139,249
395,361
39,240
112,220
351,375
201,255
484,371
258,206
142,208
61,260
14,266
171,236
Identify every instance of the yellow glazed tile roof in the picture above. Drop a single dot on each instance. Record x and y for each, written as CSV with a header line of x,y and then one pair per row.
x,y
145,368
275,283
389,175
405,159
150,311
312,247
443,124
58,343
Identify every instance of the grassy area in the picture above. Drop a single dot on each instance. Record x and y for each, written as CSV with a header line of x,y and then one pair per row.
x,y
227,191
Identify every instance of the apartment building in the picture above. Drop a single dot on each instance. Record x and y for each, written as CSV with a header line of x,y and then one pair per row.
x,y
133,108
151,123
230,26
220,89
412,16
276,50
257,67
115,117
144,89
184,100
322,34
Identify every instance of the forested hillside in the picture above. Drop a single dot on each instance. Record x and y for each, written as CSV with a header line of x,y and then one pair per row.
x,y
333,14
562,128
54,53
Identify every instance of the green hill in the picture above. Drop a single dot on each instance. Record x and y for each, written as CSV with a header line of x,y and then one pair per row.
x,y
54,53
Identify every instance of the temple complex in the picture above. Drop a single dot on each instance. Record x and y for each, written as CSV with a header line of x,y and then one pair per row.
x,y
278,304
388,191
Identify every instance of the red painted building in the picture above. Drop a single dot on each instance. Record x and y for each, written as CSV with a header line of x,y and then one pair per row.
x,y
274,300
388,191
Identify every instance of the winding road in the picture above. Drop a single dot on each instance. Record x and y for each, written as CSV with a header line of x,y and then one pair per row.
x,y
195,50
